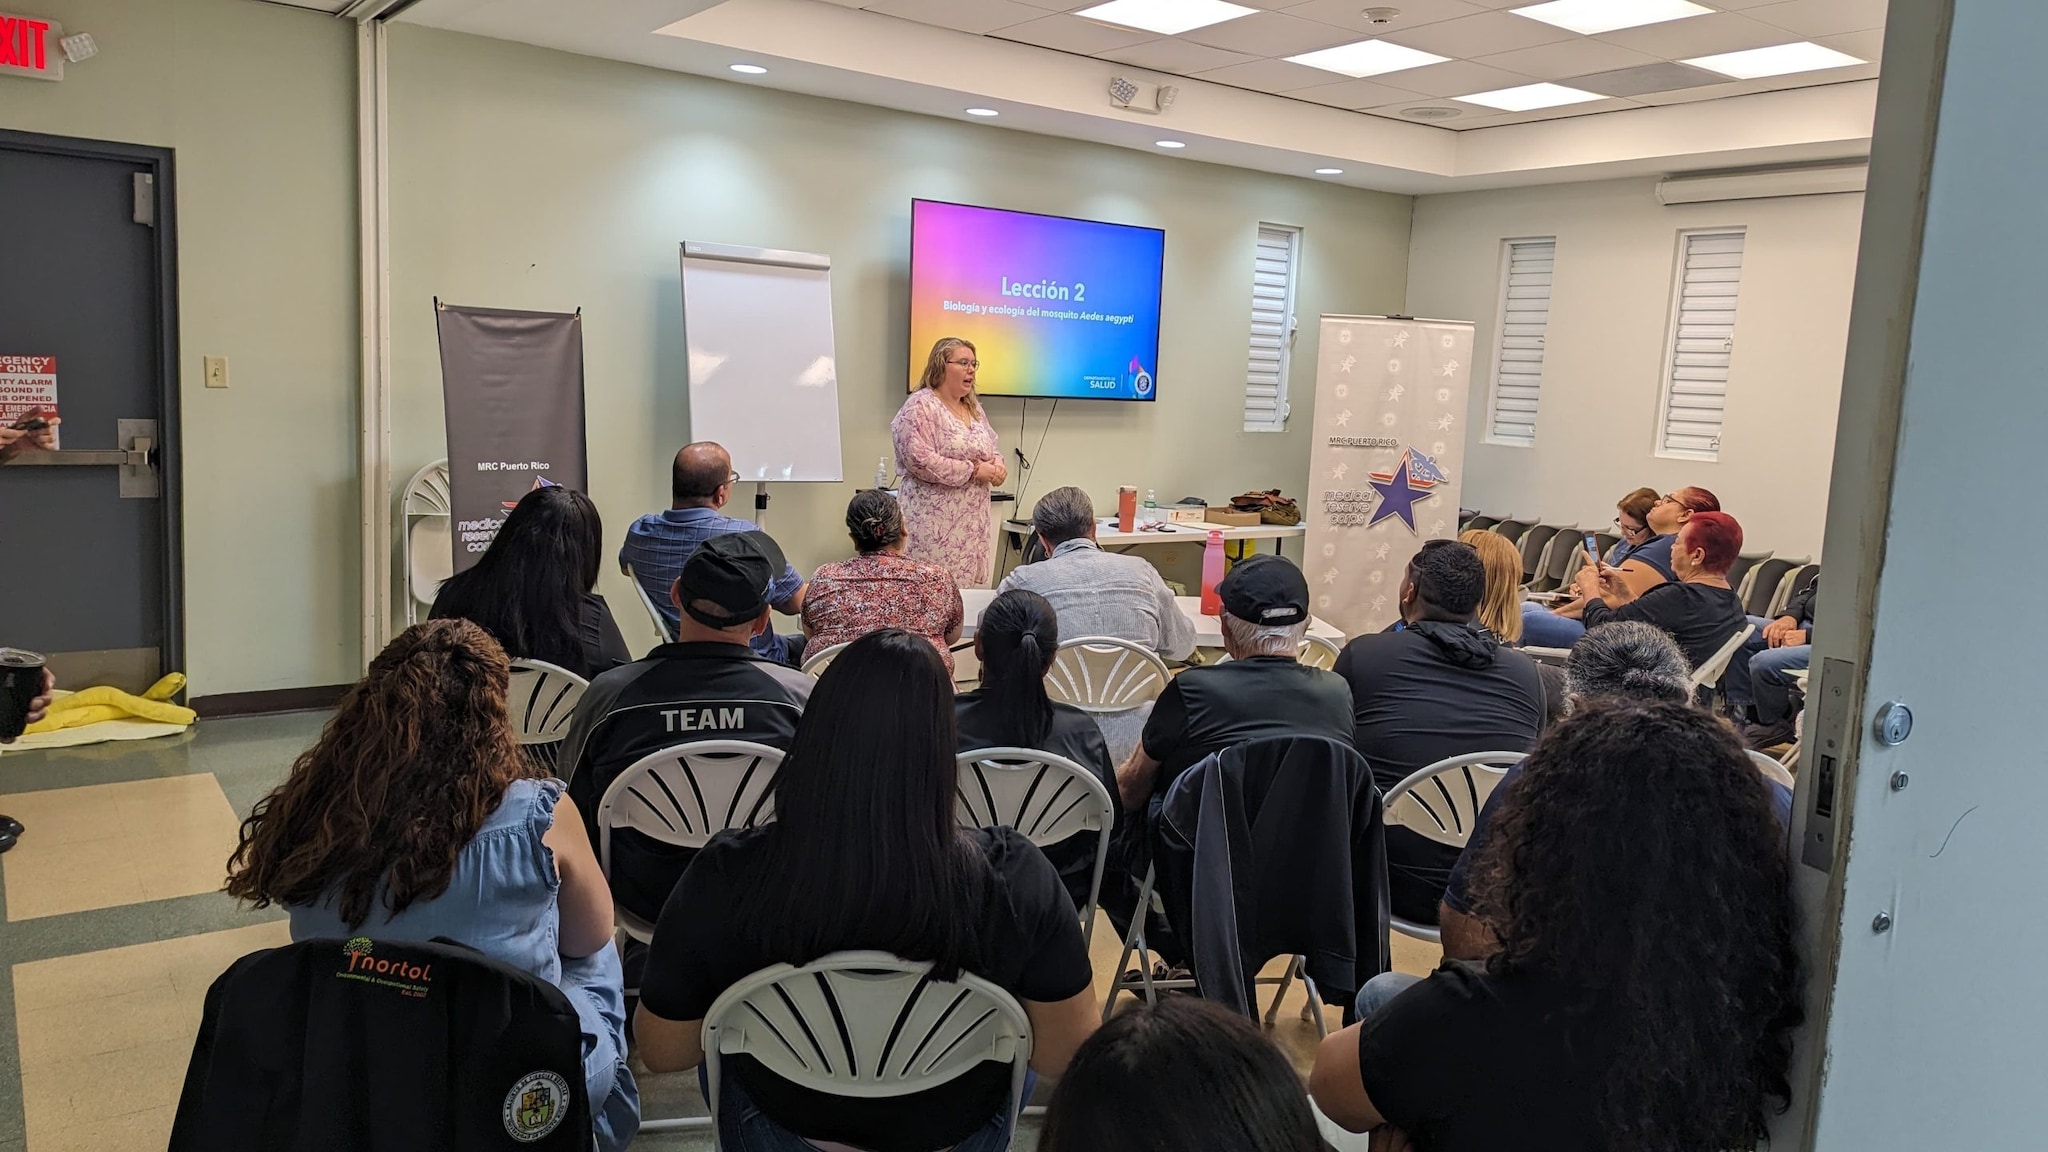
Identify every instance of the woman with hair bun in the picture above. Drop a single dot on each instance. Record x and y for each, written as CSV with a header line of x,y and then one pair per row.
x,y
1015,643
881,587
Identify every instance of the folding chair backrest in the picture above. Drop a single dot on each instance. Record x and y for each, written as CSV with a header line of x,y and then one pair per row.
x,y
1046,798
1105,674
1317,652
1606,541
1770,769
814,663
1556,567
687,794
1760,587
1711,671
424,537
660,625
1480,521
1514,529
1532,546
542,698
1442,802
1738,572
867,1025
1793,583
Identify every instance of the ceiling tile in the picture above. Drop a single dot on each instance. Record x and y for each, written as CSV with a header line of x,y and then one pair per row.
x,y
1480,35
1351,94
1267,76
1697,36
1456,78
975,16
1073,34
1763,84
1269,34
1663,76
1175,56
1734,5
1467,115
1574,57
1812,18
1865,45
1414,13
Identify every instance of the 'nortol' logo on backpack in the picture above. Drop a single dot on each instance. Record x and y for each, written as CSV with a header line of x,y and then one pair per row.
x,y
702,719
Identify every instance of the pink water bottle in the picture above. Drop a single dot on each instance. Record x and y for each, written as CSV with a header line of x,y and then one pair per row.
x,y
1212,574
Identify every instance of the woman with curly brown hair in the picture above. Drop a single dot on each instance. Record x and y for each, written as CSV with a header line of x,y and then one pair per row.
x,y
1647,982
414,817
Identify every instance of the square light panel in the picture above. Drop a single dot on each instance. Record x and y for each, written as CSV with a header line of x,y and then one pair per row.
x,y
1367,58
1780,60
1166,17
1592,17
1530,97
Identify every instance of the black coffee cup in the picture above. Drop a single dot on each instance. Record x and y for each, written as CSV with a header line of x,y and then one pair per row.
x,y
21,680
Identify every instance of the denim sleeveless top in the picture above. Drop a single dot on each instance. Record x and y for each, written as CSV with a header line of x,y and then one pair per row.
x,y
501,899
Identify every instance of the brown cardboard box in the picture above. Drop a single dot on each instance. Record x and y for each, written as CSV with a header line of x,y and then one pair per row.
x,y
1232,518
1185,514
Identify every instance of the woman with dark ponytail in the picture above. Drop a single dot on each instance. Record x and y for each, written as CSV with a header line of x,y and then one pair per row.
x,y
1015,643
881,587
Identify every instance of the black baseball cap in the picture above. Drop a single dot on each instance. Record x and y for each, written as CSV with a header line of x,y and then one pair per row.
x,y
1265,590
731,571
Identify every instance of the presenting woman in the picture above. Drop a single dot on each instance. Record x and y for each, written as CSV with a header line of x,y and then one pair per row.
x,y
947,454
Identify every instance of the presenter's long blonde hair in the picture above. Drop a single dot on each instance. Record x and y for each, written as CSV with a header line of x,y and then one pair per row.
x,y
935,368
1500,607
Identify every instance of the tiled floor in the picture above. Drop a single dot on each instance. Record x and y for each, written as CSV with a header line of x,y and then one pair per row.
x,y
114,928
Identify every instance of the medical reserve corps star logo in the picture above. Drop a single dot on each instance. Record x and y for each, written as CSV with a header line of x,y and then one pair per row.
x,y
535,1106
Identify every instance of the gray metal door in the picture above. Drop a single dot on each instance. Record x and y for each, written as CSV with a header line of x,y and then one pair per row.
x,y
84,531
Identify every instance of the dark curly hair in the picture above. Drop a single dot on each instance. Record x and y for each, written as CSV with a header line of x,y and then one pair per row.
x,y
1638,864
874,520
417,755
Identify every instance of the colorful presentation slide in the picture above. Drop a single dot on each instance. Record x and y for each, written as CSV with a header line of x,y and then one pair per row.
x,y
1053,306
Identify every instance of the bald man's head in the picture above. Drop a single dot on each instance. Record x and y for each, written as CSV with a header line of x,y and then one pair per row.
x,y
702,472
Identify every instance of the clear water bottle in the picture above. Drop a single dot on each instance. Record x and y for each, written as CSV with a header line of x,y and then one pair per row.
x,y
881,472
1212,574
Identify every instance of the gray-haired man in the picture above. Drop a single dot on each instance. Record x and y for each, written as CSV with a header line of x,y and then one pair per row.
x,y
1097,593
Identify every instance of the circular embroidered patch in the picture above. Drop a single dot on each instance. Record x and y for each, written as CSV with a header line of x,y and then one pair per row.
x,y
535,1106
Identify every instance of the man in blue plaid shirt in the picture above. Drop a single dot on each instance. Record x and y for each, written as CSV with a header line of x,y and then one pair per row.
x,y
657,544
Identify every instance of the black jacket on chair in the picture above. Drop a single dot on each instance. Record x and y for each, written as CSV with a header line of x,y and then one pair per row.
x,y
1270,848
361,1045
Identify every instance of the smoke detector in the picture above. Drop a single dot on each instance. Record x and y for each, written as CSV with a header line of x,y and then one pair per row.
x,y
1432,112
1381,15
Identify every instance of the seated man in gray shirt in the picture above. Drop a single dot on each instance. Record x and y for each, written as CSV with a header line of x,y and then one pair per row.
x,y
1097,593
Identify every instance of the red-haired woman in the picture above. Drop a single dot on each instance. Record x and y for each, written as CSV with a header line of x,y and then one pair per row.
x,y
1699,609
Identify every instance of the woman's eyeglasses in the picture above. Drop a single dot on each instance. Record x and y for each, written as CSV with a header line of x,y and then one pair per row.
x,y
1627,530
970,365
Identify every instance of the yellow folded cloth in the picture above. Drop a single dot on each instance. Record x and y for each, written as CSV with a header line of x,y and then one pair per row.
x,y
93,705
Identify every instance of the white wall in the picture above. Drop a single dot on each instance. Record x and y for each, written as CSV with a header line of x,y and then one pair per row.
x,y
258,102
527,178
1610,306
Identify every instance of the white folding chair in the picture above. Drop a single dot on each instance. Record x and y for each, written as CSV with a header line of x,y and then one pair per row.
x,y
1770,769
1046,798
542,698
1441,802
867,1025
1716,665
684,796
423,540
1105,675
1317,652
814,663
661,631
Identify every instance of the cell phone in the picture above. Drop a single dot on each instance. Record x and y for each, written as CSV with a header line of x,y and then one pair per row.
x,y
1592,550
31,424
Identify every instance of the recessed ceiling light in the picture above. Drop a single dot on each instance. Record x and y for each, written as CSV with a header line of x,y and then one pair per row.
x,y
1593,17
1781,60
1329,171
1166,17
1367,58
749,69
1168,144
983,112
1530,97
